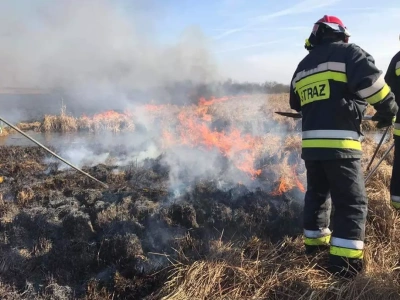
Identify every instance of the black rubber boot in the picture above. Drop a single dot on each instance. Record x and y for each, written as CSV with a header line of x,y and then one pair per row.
x,y
344,267
313,250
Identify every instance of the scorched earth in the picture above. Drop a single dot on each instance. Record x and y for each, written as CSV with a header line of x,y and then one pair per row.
x,y
204,202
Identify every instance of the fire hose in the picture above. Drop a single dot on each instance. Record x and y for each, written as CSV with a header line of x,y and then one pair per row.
x,y
52,153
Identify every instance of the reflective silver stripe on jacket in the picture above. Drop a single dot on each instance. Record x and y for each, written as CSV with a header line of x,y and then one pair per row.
x,y
327,66
314,234
374,88
344,243
396,125
331,134
395,198
397,65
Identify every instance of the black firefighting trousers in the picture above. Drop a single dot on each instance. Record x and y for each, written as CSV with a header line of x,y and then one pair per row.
x,y
395,180
341,183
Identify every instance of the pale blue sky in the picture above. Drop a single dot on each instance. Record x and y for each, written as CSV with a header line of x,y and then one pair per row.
x,y
263,40
250,40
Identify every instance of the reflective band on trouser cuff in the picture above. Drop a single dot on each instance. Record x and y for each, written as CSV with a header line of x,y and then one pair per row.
x,y
347,248
338,144
317,233
317,237
376,92
327,66
397,68
396,130
395,200
324,240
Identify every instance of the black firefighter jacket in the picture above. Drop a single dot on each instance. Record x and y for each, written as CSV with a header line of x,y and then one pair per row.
x,y
392,78
332,87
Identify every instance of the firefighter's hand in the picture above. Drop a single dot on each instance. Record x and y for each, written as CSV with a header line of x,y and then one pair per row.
x,y
383,124
383,121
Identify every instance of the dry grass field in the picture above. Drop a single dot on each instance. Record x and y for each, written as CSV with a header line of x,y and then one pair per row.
x,y
65,237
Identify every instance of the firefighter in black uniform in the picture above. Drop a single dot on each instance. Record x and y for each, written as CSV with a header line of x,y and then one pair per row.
x,y
392,78
331,87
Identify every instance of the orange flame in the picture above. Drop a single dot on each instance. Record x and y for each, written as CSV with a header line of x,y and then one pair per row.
x,y
286,185
192,130
300,185
234,145
282,188
153,107
297,181
204,102
107,115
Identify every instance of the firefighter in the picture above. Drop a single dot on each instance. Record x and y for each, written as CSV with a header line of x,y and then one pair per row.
x,y
332,87
392,78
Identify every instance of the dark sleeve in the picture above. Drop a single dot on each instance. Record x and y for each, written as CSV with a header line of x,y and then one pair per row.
x,y
366,81
390,76
294,100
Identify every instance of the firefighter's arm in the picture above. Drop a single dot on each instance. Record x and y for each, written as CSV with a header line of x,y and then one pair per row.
x,y
367,82
294,100
390,76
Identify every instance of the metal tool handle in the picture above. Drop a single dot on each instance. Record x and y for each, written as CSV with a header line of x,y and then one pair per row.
x,y
52,153
379,162
377,147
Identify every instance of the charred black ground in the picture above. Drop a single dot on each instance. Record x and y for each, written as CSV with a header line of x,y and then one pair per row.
x,y
63,236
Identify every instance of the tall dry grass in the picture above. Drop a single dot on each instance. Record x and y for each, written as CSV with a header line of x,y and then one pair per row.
x,y
60,123
107,121
258,269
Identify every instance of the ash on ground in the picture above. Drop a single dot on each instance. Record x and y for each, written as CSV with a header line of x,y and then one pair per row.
x,y
64,236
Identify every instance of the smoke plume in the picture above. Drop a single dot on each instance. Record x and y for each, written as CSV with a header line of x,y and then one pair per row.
x,y
95,50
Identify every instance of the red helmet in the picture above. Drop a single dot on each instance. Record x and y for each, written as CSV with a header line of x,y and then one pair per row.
x,y
332,22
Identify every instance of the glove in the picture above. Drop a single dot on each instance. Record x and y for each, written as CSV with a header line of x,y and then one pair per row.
x,y
307,45
383,121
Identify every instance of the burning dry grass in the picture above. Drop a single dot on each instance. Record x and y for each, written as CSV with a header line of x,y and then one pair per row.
x,y
257,269
249,113
69,239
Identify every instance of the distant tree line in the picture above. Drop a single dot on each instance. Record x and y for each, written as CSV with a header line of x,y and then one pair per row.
x,y
189,92
268,87
178,93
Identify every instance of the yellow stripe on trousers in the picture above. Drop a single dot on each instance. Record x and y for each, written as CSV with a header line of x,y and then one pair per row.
x,y
324,240
395,204
345,252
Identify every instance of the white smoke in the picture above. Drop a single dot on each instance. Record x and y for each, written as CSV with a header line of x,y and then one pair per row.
x,y
95,49
98,52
